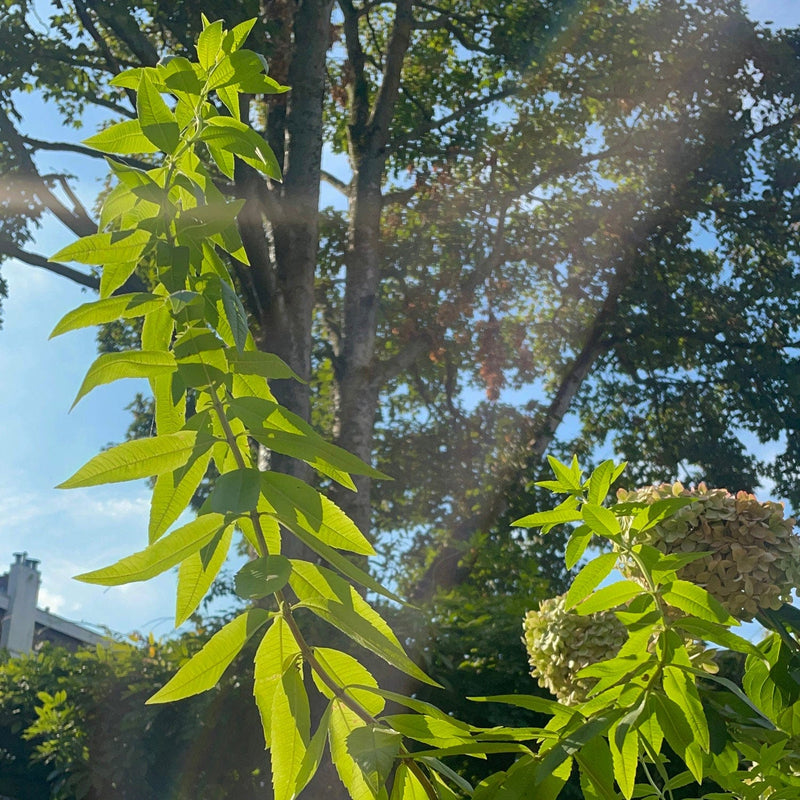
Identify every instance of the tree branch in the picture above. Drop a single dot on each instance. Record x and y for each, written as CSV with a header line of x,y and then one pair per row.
x,y
69,147
337,183
74,221
467,108
383,110
35,260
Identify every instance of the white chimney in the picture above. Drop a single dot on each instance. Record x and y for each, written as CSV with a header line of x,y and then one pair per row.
x,y
23,591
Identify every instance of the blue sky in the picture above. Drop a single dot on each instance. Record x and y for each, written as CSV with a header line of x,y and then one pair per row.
x,y
43,444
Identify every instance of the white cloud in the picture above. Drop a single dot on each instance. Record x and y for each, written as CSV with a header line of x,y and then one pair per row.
x,y
50,601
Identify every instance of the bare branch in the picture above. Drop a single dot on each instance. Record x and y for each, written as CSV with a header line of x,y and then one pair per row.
x,y
68,147
403,360
35,260
11,137
337,183
467,108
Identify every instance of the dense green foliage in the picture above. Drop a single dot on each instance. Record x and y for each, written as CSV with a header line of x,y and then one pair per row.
x,y
644,723
75,725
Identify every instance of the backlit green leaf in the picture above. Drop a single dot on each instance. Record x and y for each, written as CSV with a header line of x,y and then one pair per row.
x,y
159,556
334,600
374,750
696,601
124,306
172,493
680,688
407,785
158,122
111,367
236,492
343,723
347,672
237,316
209,44
610,597
197,573
124,138
277,650
313,756
295,503
600,520
597,570
290,732
254,362
120,247
205,668
140,458
262,576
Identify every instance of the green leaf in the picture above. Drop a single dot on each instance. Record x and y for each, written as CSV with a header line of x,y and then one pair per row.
x,y
313,755
180,75
237,316
716,633
572,742
566,512
262,576
597,570
290,731
596,765
254,362
343,723
374,750
430,730
236,492
120,247
277,650
600,482
236,67
672,722
334,600
140,458
342,563
197,573
172,493
124,138
407,785
576,546
658,511
530,701
296,504
158,122
696,601
679,687
610,597
625,756
266,418
114,275
205,668
209,44
600,520
111,367
159,556
244,142
348,672
235,38
124,306
568,477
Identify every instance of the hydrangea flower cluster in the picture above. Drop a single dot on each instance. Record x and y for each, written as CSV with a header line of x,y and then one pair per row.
x,y
754,560
561,643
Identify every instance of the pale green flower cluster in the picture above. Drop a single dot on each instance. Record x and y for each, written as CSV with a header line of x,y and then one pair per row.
x,y
754,560
561,642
